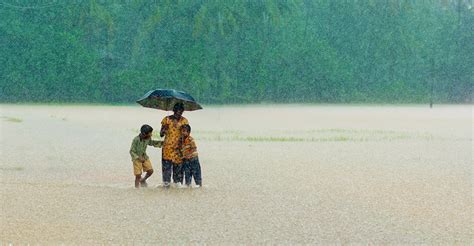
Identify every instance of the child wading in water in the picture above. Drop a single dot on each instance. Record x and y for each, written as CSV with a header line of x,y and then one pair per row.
x,y
191,165
140,159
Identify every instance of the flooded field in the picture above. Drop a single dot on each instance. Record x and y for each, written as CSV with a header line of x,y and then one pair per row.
x,y
272,174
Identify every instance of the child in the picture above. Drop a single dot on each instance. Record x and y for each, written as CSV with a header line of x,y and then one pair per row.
x,y
191,165
140,159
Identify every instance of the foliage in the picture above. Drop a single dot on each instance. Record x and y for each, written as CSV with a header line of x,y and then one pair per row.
x,y
245,51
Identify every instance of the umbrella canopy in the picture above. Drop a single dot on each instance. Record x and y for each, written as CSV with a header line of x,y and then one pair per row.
x,y
165,99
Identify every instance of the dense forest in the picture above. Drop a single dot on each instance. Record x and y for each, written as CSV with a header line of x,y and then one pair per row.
x,y
238,51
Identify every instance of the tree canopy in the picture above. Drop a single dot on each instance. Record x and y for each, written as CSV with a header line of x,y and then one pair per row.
x,y
243,51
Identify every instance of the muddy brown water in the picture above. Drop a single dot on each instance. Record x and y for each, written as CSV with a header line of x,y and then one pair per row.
x,y
272,174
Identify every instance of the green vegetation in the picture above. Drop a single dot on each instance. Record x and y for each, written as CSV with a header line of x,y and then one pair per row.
x,y
11,168
11,119
247,51
316,135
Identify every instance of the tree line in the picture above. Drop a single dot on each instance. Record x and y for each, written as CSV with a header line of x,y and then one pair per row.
x,y
242,51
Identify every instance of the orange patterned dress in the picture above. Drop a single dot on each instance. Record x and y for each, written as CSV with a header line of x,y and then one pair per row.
x,y
170,150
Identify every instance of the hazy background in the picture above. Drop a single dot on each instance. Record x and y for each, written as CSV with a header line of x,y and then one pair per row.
x,y
248,51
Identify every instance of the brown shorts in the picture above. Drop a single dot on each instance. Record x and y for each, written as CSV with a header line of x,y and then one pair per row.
x,y
138,166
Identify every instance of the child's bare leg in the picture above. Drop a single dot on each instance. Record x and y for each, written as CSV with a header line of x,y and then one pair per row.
x,y
137,181
148,174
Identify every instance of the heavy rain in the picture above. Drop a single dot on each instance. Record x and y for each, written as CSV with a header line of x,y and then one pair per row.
x,y
311,122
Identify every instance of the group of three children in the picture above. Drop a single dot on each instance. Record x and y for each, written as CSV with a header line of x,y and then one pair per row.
x,y
179,152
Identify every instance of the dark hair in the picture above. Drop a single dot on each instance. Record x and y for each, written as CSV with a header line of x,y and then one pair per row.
x,y
145,129
178,107
187,127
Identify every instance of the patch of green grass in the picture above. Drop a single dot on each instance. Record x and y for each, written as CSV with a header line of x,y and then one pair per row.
x,y
11,168
316,135
334,138
272,139
343,131
11,119
281,139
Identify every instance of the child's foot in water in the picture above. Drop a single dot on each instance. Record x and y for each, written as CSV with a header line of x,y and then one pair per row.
x,y
143,183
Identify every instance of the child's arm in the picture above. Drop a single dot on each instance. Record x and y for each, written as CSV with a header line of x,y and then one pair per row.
x,y
156,143
179,148
164,127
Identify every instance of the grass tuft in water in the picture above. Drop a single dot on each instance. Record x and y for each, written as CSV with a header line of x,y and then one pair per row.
x,y
11,168
11,119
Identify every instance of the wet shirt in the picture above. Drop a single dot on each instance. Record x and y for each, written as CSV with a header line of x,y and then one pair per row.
x,y
170,146
188,148
138,148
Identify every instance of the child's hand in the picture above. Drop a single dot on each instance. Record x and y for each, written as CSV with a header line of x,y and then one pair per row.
x,y
142,159
159,144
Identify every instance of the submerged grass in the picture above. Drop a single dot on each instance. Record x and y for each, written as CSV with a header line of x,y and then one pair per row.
x,y
11,119
296,139
317,135
11,168
311,139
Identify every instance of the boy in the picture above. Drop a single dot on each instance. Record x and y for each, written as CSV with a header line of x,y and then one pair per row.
x,y
191,165
140,159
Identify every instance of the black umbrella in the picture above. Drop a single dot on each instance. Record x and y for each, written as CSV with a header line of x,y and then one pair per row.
x,y
165,99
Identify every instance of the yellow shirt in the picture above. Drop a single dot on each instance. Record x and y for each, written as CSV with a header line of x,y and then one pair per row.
x,y
170,145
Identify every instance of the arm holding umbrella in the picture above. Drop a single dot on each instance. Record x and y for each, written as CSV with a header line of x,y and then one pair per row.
x,y
164,129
